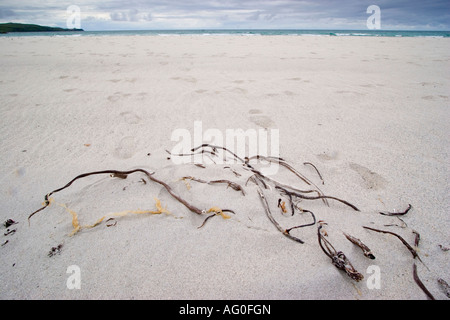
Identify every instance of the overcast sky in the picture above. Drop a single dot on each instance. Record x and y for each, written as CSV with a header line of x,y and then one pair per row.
x,y
230,14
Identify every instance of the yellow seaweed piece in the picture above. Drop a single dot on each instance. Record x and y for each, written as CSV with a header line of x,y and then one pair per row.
x,y
188,185
159,207
77,227
75,223
219,212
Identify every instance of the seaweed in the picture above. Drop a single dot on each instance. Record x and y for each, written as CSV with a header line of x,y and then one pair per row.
x,y
338,258
263,184
367,252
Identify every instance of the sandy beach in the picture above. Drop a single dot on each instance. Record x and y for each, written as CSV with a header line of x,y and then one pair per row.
x,y
371,113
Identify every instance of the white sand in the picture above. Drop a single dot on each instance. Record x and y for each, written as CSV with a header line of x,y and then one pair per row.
x,y
371,113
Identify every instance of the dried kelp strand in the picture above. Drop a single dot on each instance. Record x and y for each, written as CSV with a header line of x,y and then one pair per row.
x,y
420,283
367,252
318,173
407,245
415,274
338,258
397,213
301,196
444,286
271,218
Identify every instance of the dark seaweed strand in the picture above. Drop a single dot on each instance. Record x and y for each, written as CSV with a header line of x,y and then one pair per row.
x,y
304,225
115,172
367,252
235,186
149,175
320,176
317,197
415,274
407,245
269,214
213,215
397,213
219,147
330,252
191,154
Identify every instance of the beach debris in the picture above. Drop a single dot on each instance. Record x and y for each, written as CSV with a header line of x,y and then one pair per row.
x,y
5,242
55,250
237,174
407,245
397,213
8,232
300,196
338,258
282,205
9,223
77,227
118,175
231,184
415,275
257,180
111,224
402,225
367,252
312,165
264,185
217,212
443,248
306,224
444,287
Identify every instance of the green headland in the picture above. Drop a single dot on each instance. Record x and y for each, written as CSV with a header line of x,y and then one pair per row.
x,y
21,27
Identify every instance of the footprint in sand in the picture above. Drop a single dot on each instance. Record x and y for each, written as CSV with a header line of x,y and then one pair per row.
x,y
435,97
117,96
130,117
372,180
187,79
333,155
259,119
126,148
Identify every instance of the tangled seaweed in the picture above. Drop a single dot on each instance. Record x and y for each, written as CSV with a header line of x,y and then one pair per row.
x,y
263,184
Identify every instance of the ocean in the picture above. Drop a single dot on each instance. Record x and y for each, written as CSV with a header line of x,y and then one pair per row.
x,y
244,32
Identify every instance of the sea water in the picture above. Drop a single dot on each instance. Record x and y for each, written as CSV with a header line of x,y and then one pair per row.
x,y
243,32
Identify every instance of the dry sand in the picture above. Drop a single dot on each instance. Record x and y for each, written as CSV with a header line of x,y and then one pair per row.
x,y
371,113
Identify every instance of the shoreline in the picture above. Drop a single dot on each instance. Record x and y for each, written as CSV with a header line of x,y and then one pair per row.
x,y
260,32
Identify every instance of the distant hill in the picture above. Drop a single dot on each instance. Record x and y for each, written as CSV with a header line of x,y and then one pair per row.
x,y
21,27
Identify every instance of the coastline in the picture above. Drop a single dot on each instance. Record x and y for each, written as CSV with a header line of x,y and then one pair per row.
x,y
371,113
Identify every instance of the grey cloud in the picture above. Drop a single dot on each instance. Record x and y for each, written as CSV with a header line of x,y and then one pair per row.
x,y
6,13
260,15
132,15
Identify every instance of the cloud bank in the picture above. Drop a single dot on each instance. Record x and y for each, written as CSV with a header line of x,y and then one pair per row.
x,y
231,14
